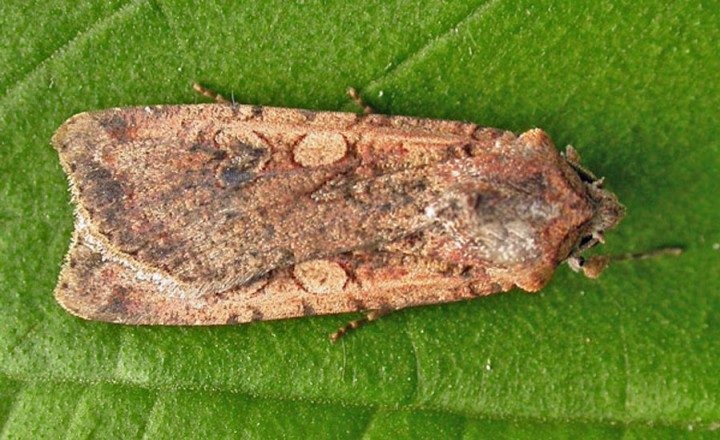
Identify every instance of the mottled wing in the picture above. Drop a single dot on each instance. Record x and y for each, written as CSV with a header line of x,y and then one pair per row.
x,y
212,214
212,196
94,287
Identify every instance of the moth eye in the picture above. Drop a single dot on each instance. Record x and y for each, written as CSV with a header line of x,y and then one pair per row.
x,y
587,242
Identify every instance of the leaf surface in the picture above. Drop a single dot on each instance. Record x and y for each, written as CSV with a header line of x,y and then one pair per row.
x,y
633,86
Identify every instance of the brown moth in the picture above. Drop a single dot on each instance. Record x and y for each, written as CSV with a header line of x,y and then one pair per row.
x,y
223,214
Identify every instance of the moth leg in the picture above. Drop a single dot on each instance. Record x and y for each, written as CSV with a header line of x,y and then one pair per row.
x,y
356,97
372,316
593,266
220,99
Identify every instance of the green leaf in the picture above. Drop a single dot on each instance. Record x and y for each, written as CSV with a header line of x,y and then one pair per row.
x,y
632,85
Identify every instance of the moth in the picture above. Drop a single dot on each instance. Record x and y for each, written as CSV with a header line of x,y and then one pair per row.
x,y
213,214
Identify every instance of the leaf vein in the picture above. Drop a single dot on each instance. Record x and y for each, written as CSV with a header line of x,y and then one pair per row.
x,y
423,50
150,414
97,24
13,407
75,416
370,421
26,336
418,375
600,421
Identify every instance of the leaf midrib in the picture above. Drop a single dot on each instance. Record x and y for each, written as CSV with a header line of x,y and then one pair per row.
x,y
544,420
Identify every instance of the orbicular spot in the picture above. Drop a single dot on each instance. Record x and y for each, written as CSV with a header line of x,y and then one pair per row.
x,y
320,276
317,149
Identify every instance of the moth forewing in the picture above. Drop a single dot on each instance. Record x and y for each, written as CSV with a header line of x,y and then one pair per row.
x,y
215,214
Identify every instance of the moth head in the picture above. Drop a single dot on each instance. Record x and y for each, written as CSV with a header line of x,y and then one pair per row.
x,y
608,213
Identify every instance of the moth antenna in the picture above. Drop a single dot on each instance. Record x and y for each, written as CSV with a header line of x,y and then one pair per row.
x,y
593,266
356,97
650,254
372,316
220,99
